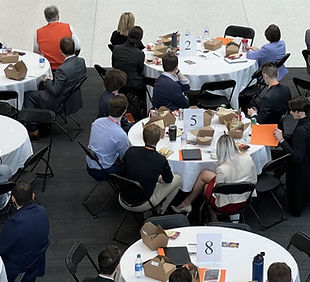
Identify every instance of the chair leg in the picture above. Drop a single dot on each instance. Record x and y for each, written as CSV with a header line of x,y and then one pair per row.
x,y
258,218
64,130
115,238
79,128
284,216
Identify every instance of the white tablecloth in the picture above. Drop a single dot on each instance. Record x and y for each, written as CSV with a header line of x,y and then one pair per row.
x,y
34,76
236,261
211,68
3,277
189,170
15,145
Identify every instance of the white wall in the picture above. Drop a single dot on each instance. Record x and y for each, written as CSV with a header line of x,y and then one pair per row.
x,y
95,20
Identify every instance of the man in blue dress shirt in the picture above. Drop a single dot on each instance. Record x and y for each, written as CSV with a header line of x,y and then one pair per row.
x,y
108,140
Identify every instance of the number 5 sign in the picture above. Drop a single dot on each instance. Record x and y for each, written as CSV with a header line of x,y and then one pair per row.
x,y
188,45
193,119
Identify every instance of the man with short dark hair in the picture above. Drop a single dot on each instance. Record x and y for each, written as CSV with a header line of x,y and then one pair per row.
x,y
279,272
170,85
24,237
108,262
47,38
274,103
108,140
152,171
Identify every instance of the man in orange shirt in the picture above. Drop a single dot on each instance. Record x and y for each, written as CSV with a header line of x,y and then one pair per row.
x,y
47,38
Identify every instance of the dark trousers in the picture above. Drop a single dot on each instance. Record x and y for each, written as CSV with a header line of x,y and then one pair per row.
x,y
99,174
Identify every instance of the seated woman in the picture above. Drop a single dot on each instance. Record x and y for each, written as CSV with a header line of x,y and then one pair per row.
x,y
114,80
232,167
125,24
271,52
298,177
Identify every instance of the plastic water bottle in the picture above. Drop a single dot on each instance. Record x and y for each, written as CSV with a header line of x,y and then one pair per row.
x,y
258,267
42,61
138,266
4,48
183,138
206,33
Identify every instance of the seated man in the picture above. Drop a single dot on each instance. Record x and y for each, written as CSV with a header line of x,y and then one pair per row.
x,y
46,39
152,171
108,262
274,103
5,175
279,272
114,80
24,237
108,140
181,274
170,85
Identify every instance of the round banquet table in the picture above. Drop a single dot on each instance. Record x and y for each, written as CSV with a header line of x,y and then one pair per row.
x,y
15,145
236,261
34,76
189,170
211,67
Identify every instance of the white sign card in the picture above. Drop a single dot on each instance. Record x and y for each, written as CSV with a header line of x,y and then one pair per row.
x,y
193,119
209,250
188,45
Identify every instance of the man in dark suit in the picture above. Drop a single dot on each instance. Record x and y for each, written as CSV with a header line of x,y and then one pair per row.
x,y
24,237
108,261
274,103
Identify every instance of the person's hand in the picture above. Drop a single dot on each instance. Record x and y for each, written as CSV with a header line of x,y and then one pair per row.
x,y
278,135
46,78
252,111
252,48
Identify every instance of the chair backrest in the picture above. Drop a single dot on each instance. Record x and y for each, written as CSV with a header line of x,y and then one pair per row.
x,y
77,253
277,164
301,241
101,71
39,116
128,189
6,187
7,109
281,62
301,83
169,221
149,81
219,85
306,55
240,31
8,95
241,226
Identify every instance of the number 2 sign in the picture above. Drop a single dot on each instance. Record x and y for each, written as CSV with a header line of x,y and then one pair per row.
x,y
193,119
187,45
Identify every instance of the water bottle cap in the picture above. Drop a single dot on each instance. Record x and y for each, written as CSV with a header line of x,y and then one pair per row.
x,y
138,256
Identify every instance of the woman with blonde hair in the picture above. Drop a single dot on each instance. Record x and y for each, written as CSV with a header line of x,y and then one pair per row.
x,y
232,167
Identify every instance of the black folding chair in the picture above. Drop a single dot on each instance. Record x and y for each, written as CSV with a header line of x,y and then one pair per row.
x,y
209,100
306,54
101,71
241,226
92,155
240,31
5,108
302,86
301,241
64,112
149,81
268,181
48,119
77,253
128,191
169,221
281,61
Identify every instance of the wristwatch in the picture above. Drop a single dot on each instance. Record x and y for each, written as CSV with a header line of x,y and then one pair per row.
x,y
177,72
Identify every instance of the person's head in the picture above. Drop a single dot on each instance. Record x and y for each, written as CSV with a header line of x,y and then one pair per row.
x,y
170,62
108,260
67,46
181,274
270,73
22,193
135,35
114,79
279,272
273,33
126,22
118,105
51,13
299,107
151,135
225,149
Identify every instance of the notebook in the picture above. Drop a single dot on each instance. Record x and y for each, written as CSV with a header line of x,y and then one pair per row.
x,y
191,154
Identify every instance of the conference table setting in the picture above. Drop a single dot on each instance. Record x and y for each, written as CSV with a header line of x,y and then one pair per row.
x,y
36,70
229,254
190,169
202,65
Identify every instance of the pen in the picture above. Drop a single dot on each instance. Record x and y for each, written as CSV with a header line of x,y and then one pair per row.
x,y
217,55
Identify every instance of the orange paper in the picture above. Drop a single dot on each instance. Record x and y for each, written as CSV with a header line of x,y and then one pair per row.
x,y
225,40
262,134
180,155
222,274
161,251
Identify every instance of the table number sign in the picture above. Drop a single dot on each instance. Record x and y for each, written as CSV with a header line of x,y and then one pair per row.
x,y
209,249
188,45
193,119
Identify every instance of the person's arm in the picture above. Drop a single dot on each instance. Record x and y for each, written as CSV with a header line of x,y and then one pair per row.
x,y
126,125
8,239
259,53
167,175
123,146
177,97
55,87
35,44
265,111
76,40
183,80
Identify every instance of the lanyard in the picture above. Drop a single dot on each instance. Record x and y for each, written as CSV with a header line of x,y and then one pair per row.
x,y
113,120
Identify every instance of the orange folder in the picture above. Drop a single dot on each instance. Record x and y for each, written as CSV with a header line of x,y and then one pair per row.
x,y
262,134
222,274
225,40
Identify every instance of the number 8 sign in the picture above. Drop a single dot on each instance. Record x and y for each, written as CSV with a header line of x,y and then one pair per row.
x,y
193,119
